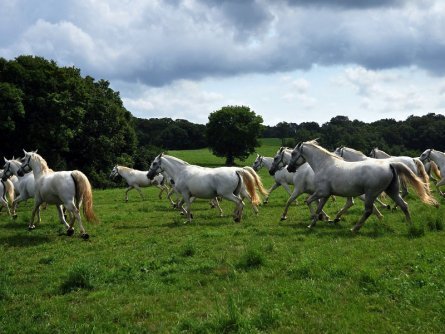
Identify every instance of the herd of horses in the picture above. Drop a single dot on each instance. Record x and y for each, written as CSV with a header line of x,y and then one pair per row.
x,y
309,167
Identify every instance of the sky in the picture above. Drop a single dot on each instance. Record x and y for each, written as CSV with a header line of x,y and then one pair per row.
x,y
288,60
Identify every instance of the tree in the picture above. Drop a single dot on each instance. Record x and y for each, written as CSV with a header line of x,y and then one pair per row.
x,y
233,132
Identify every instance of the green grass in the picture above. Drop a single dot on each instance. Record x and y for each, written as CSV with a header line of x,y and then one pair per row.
x,y
144,270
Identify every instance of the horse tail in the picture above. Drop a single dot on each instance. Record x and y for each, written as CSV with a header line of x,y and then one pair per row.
x,y
423,175
9,190
84,194
415,181
435,169
257,178
249,182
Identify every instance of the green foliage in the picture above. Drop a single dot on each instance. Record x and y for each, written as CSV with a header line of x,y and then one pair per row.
x,y
233,132
166,133
75,122
410,137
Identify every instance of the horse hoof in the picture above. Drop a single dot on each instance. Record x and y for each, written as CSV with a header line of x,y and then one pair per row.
x,y
237,220
283,218
14,216
31,227
85,236
70,232
388,207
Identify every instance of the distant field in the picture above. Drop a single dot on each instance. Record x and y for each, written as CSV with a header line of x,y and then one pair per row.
x,y
145,271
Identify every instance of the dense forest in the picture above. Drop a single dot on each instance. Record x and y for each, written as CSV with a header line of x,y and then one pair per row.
x,y
80,123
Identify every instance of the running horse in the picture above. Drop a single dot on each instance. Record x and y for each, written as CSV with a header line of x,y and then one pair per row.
x,y
70,189
334,176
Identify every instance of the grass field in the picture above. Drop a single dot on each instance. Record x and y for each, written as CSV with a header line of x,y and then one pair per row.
x,y
144,271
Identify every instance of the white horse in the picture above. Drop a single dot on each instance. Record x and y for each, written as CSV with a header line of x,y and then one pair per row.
x,y
438,158
415,164
193,181
334,176
282,177
6,191
68,188
350,154
136,179
304,182
25,185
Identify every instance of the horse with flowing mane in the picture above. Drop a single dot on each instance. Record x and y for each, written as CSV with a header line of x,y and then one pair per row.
x,y
70,189
193,181
438,158
415,164
25,184
334,176
281,177
304,182
136,179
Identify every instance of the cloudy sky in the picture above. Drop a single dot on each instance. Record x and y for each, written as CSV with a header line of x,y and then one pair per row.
x,y
289,60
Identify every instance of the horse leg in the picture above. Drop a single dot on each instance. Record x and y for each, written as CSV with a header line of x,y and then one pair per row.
x,y
169,197
321,203
344,209
386,206
404,188
139,191
215,203
126,193
275,186
292,198
369,202
440,183
62,217
37,203
4,203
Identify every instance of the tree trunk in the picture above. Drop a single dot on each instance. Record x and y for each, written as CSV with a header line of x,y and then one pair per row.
x,y
230,160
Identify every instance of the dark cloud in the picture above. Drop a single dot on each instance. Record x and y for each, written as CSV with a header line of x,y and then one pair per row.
x,y
157,43
345,4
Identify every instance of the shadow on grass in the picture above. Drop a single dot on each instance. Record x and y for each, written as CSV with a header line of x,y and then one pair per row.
x,y
340,230
14,225
24,240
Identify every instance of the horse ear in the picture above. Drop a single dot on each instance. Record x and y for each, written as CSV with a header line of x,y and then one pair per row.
x,y
298,145
6,160
36,150
26,153
281,149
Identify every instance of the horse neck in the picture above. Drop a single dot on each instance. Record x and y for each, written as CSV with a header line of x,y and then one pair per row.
x,y
267,162
172,165
438,157
317,158
287,155
39,167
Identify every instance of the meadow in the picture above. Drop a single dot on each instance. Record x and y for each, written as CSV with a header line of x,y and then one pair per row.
x,y
144,270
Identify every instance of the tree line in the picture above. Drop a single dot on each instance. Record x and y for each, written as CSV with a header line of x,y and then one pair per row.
x,y
80,123
409,137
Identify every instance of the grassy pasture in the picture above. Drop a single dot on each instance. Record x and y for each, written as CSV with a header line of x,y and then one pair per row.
x,y
144,270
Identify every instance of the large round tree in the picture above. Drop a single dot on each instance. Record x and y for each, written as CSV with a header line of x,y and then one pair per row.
x,y
233,132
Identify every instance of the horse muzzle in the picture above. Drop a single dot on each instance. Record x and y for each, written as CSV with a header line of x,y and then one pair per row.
x,y
150,175
20,172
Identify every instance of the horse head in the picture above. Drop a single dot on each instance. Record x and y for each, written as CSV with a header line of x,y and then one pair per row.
x,y
297,158
155,167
